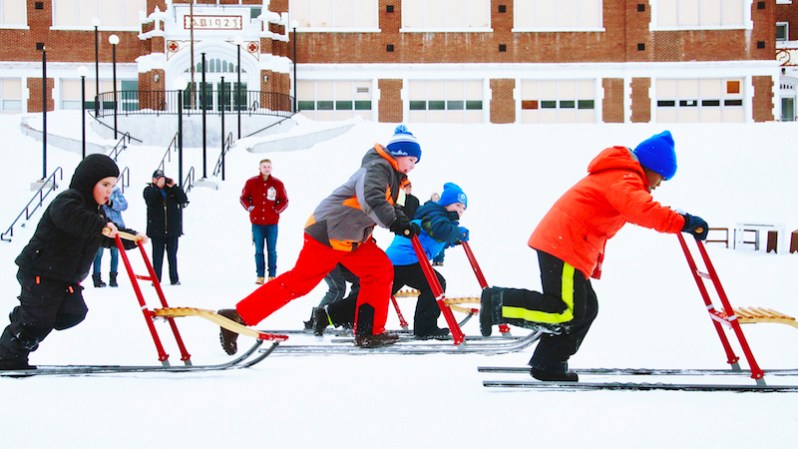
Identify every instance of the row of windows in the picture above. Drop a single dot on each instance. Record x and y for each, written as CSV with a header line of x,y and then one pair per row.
x,y
417,14
544,15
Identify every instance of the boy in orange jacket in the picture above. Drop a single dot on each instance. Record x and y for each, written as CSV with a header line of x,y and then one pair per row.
x,y
570,242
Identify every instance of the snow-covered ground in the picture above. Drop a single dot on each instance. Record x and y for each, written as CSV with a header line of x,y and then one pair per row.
x,y
651,312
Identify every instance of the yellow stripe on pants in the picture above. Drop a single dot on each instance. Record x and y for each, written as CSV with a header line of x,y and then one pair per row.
x,y
537,316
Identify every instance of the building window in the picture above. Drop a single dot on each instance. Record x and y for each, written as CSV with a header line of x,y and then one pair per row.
x,y
334,100
446,101
558,101
450,15
701,14
119,14
699,100
10,95
562,15
335,14
13,13
782,31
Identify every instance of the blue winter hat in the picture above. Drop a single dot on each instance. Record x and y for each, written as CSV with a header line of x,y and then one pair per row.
x,y
657,154
452,193
404,143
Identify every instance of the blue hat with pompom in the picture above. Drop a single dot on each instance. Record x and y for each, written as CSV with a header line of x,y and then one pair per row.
x,y
404,143
452,193
657,154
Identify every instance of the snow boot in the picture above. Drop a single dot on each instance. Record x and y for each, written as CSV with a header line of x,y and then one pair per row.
x,y
308,325
98,282
320,321
490,309
376,341
228,338
555,373
431,334
112,282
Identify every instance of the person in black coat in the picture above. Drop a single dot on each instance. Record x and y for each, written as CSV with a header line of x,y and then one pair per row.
x,y
411,202
57,258
165,202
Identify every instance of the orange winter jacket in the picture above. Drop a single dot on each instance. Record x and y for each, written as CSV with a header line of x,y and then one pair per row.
x,y
614,192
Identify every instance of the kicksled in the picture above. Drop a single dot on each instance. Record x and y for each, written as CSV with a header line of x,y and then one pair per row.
x,y
726,319
457,343
248,358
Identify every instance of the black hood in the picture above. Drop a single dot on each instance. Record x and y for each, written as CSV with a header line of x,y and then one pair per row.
x,y
90,171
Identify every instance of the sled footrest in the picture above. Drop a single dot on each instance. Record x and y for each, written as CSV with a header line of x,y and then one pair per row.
x,y
753,315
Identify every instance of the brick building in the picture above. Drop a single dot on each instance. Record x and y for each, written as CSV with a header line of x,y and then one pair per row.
x,y
478,61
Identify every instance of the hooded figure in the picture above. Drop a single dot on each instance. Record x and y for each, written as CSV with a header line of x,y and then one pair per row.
x,y
57,258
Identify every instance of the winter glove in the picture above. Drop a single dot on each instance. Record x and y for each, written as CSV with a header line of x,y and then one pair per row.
x,y
402,226
696,226
463,234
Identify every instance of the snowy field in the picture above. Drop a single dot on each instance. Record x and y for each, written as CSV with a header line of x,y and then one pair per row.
x,y
651,313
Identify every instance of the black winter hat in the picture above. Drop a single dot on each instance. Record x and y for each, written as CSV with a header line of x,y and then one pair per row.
x,y
90,171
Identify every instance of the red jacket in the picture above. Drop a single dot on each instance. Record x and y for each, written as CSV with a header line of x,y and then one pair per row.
x,y
614,192
265,200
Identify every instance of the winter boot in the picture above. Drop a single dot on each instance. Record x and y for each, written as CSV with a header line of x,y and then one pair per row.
x,y
228,338
98,282
490,309
320,321
554,373
376,341
112,282
308,325
434,333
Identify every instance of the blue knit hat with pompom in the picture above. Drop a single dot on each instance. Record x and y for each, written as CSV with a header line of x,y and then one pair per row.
x,y
404,143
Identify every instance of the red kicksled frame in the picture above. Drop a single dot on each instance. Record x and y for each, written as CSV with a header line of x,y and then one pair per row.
x,y
457,334
726,317
163,357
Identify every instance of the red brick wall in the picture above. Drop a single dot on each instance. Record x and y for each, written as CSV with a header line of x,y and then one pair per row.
x,y
763,99
612,108
390,104
35,100
641,102
789,13
502,105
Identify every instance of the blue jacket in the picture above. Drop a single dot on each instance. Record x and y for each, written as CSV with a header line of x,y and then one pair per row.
x,y
114,211
439,228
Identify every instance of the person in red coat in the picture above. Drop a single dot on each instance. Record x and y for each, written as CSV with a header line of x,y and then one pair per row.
x,y
265,199
570,241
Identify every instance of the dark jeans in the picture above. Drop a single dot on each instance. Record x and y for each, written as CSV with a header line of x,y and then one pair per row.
x,y
425,320
44,305
99,259
267,234
158,246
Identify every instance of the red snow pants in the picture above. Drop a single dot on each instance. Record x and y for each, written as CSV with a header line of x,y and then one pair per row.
x,y
368,262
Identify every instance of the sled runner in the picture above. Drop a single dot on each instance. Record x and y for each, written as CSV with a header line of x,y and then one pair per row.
x,y
169,314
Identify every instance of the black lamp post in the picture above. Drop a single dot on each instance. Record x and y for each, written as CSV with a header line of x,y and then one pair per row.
x,y
294,24
180,85
203,102
222,106
114,40
96,22
237,102
44,113
82,72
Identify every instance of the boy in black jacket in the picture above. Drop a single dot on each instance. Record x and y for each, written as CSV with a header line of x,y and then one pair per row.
x,y
57,258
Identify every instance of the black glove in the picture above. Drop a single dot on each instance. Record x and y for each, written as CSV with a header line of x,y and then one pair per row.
x,y
696,226
402,226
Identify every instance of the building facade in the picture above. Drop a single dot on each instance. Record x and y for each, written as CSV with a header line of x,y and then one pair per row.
x,y
454,61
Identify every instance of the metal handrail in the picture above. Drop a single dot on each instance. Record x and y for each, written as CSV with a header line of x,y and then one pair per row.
x,y
50,185
188,182
124,179
168,153
228,143
120,146
143,102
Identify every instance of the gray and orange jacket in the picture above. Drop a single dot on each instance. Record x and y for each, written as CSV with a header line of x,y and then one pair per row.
x,y
347,217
